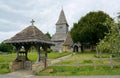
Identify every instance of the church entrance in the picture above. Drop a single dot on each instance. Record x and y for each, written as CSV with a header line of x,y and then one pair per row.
x,y
75,48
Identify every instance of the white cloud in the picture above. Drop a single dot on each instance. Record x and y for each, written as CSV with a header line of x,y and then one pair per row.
x,y
16,15
6,35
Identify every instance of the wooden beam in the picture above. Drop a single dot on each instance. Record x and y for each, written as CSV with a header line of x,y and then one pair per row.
x,y
17,52
37,46
45,46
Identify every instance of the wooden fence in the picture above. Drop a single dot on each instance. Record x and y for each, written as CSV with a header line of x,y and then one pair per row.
x,y
111,62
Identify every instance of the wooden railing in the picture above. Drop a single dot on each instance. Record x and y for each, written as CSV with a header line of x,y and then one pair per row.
x,y
111,62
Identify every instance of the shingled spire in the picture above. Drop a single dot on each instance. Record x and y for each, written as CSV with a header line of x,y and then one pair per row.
x,y
62,18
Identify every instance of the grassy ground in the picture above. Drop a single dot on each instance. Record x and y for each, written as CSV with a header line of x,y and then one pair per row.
x,y
79,71
32,56
65,70
82,70
52,55
7,58
88,58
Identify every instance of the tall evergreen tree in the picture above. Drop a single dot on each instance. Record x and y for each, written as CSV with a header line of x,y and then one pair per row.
x,y
91,28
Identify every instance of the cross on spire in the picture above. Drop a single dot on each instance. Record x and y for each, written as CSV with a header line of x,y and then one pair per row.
x,y
32,22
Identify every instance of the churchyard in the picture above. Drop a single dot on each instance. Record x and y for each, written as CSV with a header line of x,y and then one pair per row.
x,y
5,59
84,64
77,64
102,46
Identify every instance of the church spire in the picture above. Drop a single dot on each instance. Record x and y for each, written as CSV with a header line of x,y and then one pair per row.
x,y
62,18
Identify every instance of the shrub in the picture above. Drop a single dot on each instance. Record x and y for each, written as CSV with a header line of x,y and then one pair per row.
x,y
4,68
6,48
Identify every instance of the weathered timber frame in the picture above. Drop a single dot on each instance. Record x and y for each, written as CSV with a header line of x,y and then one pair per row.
x,y
30,36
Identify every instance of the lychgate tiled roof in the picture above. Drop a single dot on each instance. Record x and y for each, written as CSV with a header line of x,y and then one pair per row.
x,y
29,34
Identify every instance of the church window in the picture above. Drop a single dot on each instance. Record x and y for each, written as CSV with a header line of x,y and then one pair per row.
x,y
60,26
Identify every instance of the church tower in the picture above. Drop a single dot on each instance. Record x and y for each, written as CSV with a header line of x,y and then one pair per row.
x,y
61,32
62,25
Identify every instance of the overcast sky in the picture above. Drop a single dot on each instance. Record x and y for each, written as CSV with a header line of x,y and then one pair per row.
x,y
15,15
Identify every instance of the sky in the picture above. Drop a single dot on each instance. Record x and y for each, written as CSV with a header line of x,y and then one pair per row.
x,y
15,15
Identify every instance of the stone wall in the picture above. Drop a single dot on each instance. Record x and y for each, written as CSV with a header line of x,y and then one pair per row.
x,y
36,67
14,66
57,47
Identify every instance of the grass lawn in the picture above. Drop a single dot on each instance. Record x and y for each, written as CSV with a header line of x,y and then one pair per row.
x,y
82,70
65,70
52,55
78,71
32,56
7,58
86,58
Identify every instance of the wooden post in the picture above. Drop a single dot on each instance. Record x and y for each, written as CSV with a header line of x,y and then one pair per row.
x,y
45,65
94,64
77,63
97,52
45,57
26,51
38,54
17,52
38,51
61,62
100,54
111,63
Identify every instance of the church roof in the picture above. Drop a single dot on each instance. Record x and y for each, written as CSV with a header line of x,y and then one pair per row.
x,y
62,18
68,41
58,37
29,34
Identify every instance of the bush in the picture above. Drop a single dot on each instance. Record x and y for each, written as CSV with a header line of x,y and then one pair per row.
x,y
4,68
49,50
6,48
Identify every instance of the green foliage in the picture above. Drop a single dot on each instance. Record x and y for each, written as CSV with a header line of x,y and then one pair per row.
x,y
111,42
4,68
79,71
90,28
49,50
6,48
7,58
48,35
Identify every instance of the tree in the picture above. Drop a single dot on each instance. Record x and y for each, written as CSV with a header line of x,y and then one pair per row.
x,y
6,48
91,28
111,42
48,35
